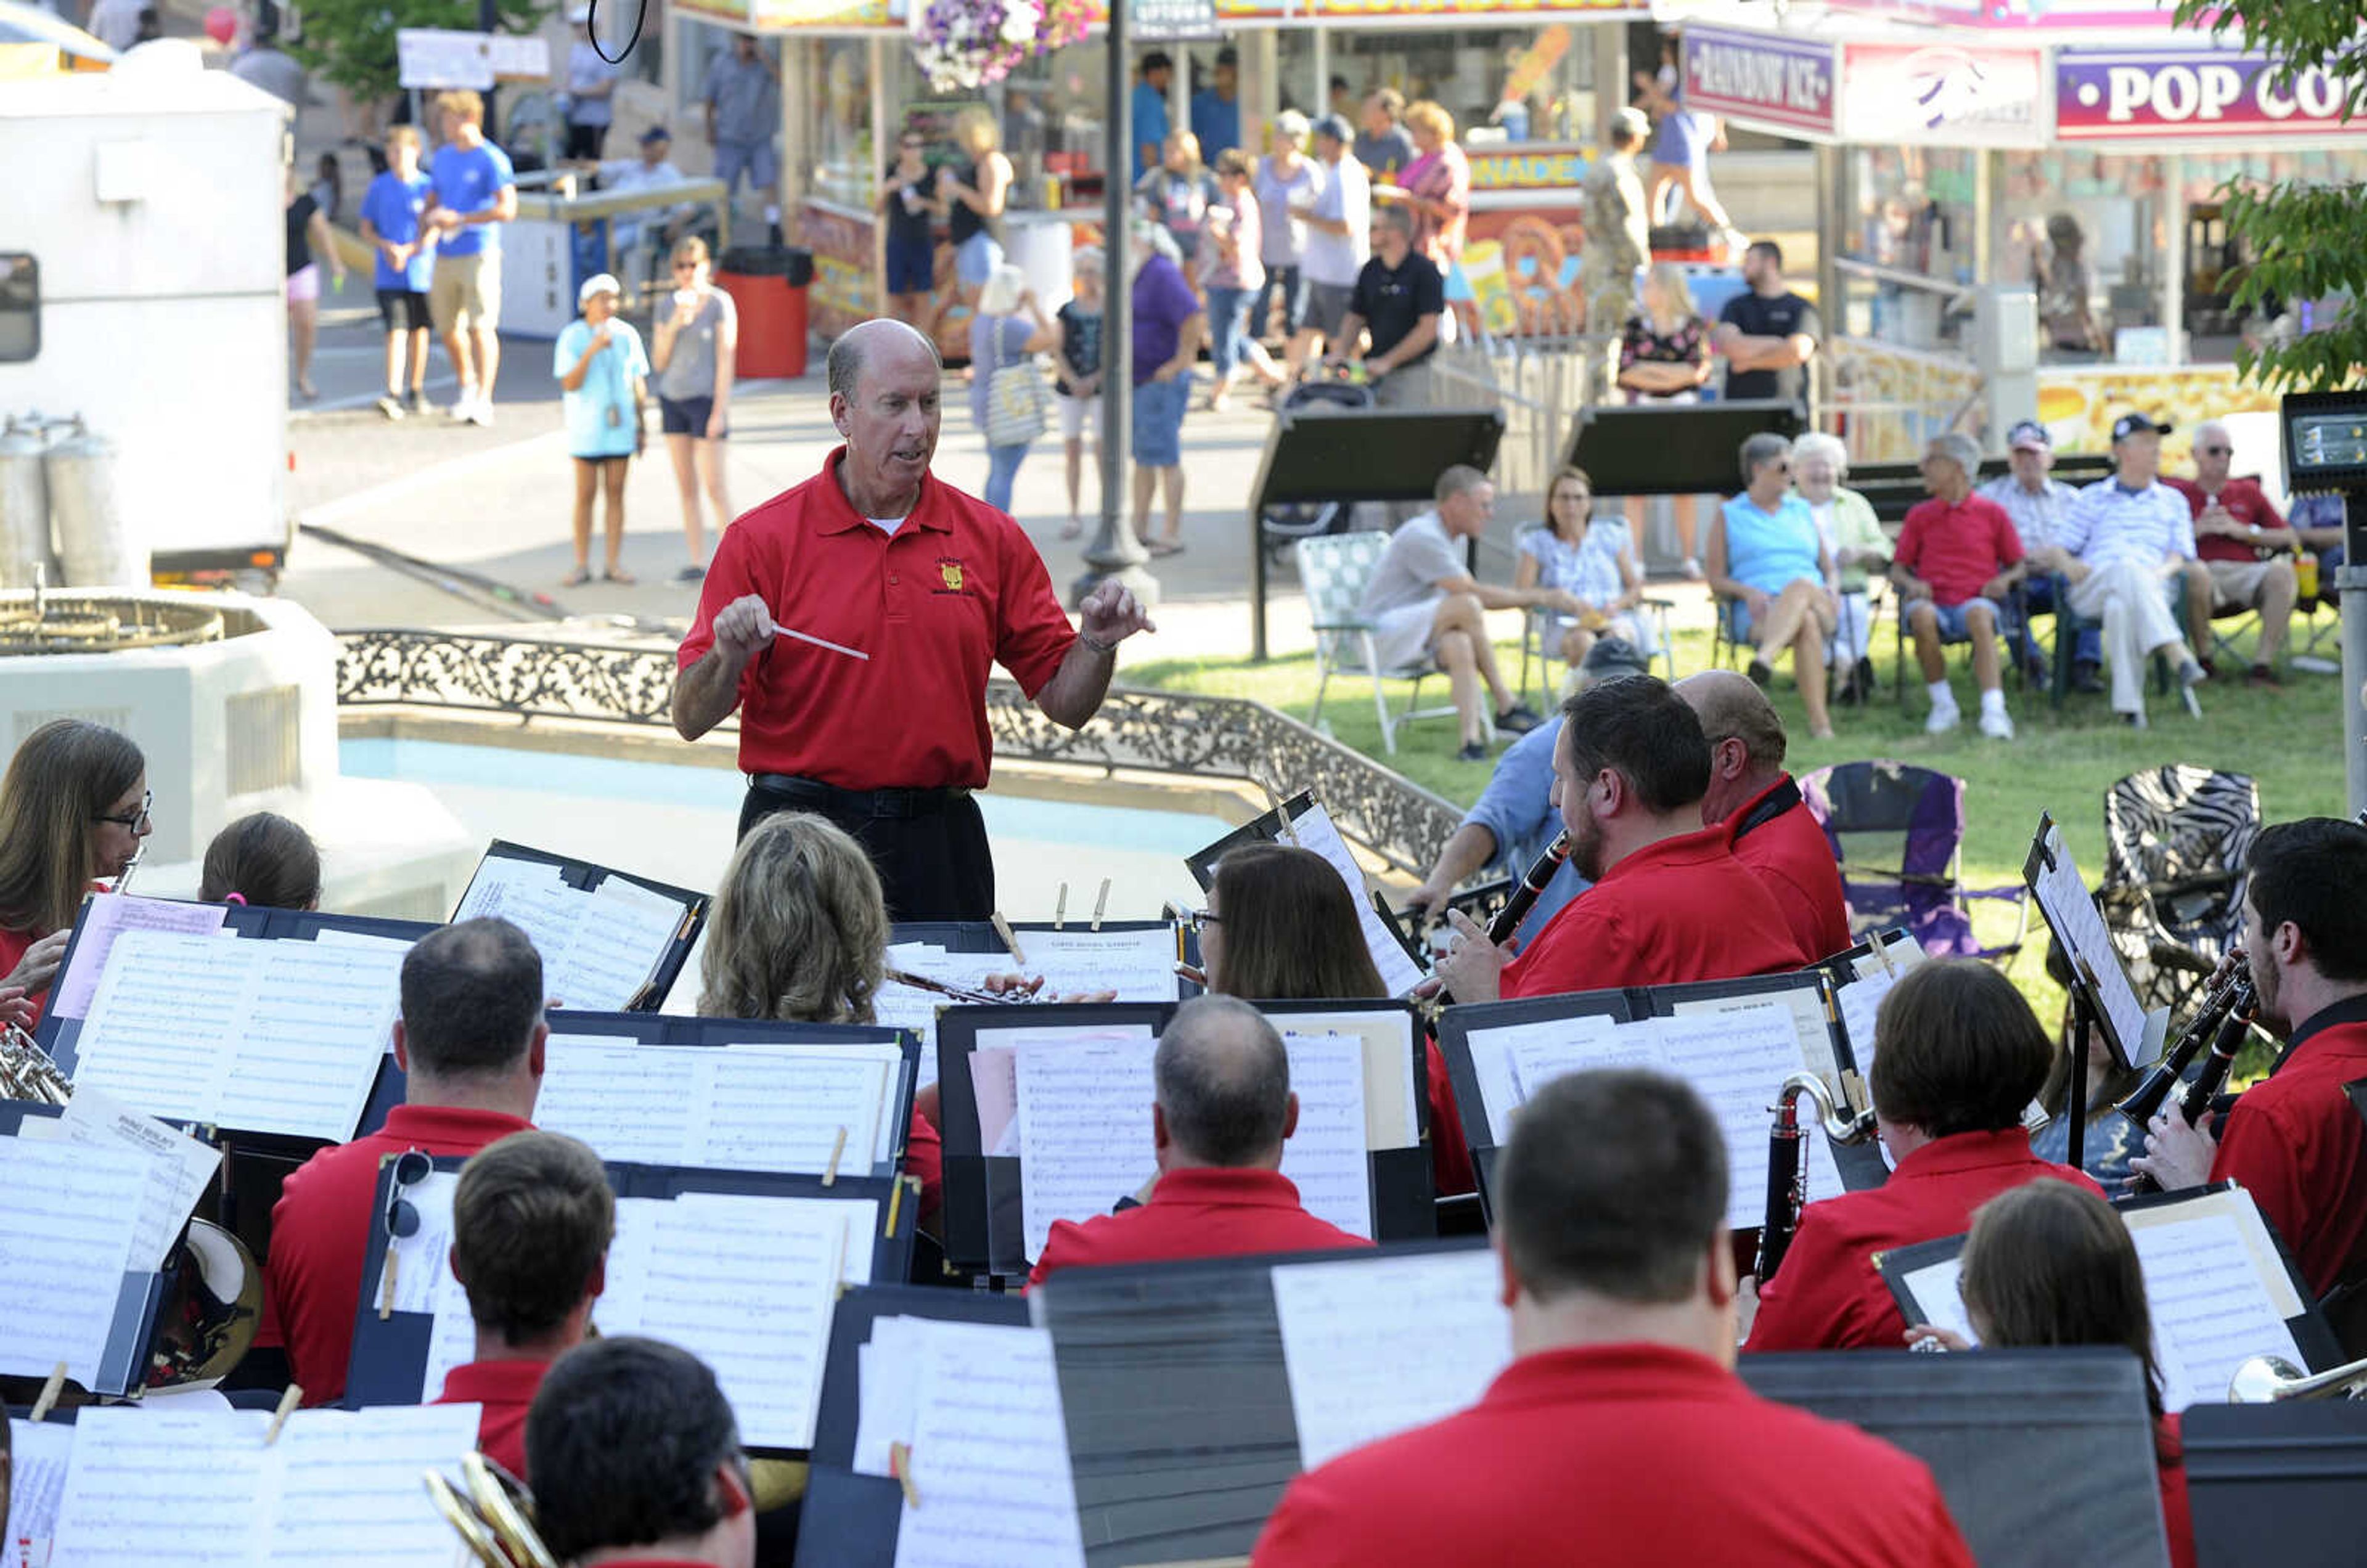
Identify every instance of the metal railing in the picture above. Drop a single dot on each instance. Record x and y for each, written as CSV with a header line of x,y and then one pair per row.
x,y
1541,383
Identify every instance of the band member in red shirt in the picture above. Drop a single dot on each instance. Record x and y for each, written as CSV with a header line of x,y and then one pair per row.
x,y
2294,1140
73,807
1768,826
470,1040
2048,1264
1958,1055
633,1458
914,589
1619,1435
1224,1109
532,1218
1669,901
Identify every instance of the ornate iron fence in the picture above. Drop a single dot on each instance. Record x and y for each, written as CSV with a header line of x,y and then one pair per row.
x,y
1180,733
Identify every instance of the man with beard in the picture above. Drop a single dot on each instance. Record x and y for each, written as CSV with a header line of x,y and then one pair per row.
x,y
2294,1140
853,618
1669,901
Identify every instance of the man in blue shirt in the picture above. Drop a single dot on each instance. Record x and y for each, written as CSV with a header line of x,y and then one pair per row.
x,y
2129,534
1150,110
406,262
470,190
1217,109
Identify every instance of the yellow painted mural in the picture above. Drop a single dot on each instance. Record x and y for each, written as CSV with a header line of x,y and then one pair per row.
x,y
2078,405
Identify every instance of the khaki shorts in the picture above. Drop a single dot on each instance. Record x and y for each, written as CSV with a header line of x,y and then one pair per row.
x,y
2234,582
466,291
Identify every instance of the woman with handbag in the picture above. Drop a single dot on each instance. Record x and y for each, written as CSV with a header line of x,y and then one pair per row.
x,y
1007,396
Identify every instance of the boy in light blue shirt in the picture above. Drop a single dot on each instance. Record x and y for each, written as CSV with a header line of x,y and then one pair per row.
x,y
473,191
599,363
391,226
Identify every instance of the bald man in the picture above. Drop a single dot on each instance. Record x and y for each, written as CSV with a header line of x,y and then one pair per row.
x,y
1768,825
852,621
1223,1109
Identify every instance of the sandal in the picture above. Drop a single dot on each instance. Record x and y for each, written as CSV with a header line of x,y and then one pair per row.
x,y
617,575
1164,547
1071,528
576,579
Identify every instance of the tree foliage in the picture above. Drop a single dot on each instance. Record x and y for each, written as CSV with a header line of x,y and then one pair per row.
x,y
351,42
2305,241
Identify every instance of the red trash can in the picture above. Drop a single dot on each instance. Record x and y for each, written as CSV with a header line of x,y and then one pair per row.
x,y
767,286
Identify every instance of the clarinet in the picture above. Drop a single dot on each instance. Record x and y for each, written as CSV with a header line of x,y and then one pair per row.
x,y
1532,884
2216,1066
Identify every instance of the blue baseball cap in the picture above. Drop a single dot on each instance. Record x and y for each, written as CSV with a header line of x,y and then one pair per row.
x,y
656,133
2028,436
2130,424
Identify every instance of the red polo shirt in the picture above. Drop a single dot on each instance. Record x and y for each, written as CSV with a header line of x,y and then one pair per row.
x,y
956,589
1829,1296
2245,501
1775,836
1616,1456
2300,1148
506,1388
11,953
2177,1509
1956,549
321,1233
1198,1211
1680,909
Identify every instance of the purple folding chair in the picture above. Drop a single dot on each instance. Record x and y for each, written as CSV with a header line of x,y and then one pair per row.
x,y
1898,833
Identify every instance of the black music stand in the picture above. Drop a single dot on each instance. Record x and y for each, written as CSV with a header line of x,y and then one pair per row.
x,y
1655,450
2277,1484
1351,454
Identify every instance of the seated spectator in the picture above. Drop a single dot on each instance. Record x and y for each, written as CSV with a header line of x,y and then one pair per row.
x,y
1590,558
2245,545
2128,534
643,234
2047,1263
1958,1056
1852,535
1224,1109
1399,299
1958,557
262,859
1766,556
469,1041
1426,605
532,1219
2039,507
2319,521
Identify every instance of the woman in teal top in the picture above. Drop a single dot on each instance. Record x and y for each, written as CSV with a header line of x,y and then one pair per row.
x,y
1764,555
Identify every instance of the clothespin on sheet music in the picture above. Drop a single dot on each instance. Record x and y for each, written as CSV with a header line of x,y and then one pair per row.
x,y
1882,953
51,1389
896,1203
1060,910
288,1403
1003,930
830,1172
899,1465
1100,903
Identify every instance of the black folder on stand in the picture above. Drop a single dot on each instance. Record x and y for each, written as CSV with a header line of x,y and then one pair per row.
x,y
2277,1484
587,876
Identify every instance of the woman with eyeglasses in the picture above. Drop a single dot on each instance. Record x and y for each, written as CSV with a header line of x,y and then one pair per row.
x,y
693,353
74,811
1281,926
1770,567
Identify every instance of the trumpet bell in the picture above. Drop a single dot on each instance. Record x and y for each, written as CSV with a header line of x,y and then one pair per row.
x,y
2263,1380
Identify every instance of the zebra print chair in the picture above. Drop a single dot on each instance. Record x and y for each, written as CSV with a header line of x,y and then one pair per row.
x,y
2178,853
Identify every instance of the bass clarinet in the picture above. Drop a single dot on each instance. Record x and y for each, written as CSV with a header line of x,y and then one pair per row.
x,y
1787,1172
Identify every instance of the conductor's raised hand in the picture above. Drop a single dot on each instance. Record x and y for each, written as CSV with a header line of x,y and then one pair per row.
x,y
1112,613
743,628
1473,968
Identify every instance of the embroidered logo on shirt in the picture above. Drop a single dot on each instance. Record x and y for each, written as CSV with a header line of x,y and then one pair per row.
x,y
950,571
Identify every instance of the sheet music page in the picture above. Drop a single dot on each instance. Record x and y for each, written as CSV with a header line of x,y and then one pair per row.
x,y
1938,1290
346,1485
1805,1003
164,1022
621,934
178,1167
41,1453
68,1214
630,1102
781,1108
1325,1158
1317,831
338,936
1373,1346
888,1380
995,1075
108,916
1085,1132
2072,912
308,1049
1543,1052
1737,1060
1391,1118
1860,1002
990,1454
452,1340
1138,965
908,1007
153,1486
2210,1313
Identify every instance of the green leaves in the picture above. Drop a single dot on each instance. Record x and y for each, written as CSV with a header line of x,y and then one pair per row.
x,y
351,42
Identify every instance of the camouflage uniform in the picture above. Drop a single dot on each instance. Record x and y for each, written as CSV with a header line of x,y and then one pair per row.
x,y
1618,243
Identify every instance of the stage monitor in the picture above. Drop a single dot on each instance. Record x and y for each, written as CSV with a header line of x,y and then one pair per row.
x,y
1658,449
2323,436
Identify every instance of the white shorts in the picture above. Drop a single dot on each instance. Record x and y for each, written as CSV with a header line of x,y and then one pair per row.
x,y
1076,413
2238,582
1402,635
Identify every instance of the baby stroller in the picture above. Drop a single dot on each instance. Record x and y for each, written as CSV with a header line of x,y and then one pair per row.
x,y
1281,526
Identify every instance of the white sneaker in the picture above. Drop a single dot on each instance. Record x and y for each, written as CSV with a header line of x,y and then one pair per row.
x,y
481,413
462,406
1995,724
1944,717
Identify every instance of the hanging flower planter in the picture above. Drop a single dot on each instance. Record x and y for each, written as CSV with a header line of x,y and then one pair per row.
x,y
969,44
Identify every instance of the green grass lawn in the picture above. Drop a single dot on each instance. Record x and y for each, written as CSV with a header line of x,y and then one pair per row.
x,y
2290,739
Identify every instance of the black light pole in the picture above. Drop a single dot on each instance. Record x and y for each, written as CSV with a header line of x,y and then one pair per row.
x,y
1115,551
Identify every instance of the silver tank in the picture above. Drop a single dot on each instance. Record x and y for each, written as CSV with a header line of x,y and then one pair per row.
x,y
23,508
95,549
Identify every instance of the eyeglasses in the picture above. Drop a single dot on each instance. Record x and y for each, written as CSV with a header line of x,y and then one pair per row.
x,y
135,820
411,1167
1203,918
2215,451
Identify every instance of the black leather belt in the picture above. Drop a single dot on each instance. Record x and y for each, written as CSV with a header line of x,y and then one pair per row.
x,y
833,801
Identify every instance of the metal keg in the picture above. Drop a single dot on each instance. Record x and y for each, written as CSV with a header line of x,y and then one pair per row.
x,y
24,507
95,549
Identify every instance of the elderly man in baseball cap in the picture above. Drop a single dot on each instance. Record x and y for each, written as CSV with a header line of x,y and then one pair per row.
x,y
603,373
2039,504
2132,540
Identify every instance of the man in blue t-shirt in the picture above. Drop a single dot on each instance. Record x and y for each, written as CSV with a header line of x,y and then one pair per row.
x,y
1150,110
470,190
406,261
1217,109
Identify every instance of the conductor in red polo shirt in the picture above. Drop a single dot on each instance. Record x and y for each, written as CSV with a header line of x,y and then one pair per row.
x,y
2295,1139
1767,825
532,1218
1669,901
853,619
1958,1055
470,1041
1619,1436
1224,1109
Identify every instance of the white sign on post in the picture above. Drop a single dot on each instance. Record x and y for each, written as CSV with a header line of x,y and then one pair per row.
x,y
432,58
